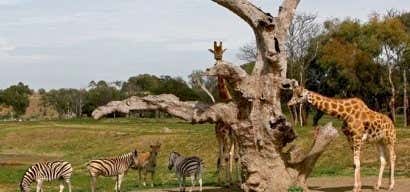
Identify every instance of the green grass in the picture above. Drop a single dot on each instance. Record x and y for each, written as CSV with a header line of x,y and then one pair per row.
x,y
80,140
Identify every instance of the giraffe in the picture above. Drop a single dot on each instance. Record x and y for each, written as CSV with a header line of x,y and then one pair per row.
x,y
361,125
228,145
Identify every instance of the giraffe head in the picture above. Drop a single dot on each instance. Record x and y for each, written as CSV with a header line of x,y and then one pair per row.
x,y
218,51
300,95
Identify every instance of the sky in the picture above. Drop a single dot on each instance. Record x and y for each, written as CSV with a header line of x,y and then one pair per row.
x,y
68,43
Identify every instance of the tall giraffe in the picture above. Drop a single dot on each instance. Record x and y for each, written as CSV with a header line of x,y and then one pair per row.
x,y
228,145
361,125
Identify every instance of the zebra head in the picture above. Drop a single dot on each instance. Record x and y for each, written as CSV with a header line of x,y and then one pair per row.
x,y
24,187
134,157
171,161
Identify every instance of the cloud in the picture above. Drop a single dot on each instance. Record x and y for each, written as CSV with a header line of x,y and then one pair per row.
x,y
10,2
6,46
88,40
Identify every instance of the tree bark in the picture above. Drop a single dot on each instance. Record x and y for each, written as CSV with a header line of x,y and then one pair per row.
x,y
405,99
392,101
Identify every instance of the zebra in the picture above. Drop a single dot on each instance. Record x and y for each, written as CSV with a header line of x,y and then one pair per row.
x,y
47,171
186,166
147,162
116,166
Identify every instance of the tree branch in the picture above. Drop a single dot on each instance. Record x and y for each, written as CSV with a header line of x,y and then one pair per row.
x,y
228,71
192,111
304,164
247,11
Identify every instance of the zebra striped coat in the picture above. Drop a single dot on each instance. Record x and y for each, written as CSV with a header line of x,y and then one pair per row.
x,y
47,171
186,166
117,166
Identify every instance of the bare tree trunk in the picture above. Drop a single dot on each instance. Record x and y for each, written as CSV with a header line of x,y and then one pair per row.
x,y
392,101
405,99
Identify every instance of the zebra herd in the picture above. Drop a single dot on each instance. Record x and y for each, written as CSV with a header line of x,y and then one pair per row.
x,y
144,162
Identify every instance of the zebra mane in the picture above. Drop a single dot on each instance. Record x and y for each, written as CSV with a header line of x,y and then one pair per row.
x,y
176,153
124,155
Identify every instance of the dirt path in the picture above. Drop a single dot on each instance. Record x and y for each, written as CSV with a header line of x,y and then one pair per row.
x,y
342,184
325,184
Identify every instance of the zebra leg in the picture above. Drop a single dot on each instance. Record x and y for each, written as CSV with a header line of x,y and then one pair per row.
x,y
180,183
120,177
61,186
200,183
39,186
68,182
116,188
183,183
192,183
93,182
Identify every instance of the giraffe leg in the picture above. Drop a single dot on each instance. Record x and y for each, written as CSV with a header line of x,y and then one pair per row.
x,y
382,155
237,161
231,162
356,160
228,164
219,165
392,158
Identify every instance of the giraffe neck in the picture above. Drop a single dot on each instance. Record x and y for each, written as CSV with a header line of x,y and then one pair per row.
x,y
330,106
223,89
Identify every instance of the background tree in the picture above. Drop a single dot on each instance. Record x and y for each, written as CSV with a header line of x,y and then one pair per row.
x,y
247,52
100,93
140,85
67,102
16,96
176,86
302,36
392,36
405,68
197,79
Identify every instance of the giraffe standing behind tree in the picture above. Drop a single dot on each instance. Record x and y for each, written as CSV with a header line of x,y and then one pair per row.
x,y
228,145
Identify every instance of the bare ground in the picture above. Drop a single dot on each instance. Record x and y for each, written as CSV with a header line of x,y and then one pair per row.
x,y
323,184
342,184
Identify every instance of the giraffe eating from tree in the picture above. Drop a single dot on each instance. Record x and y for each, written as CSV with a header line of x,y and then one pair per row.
x,y
361,125
228,145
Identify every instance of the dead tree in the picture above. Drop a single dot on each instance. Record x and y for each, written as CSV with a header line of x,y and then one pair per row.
x,y
255,114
